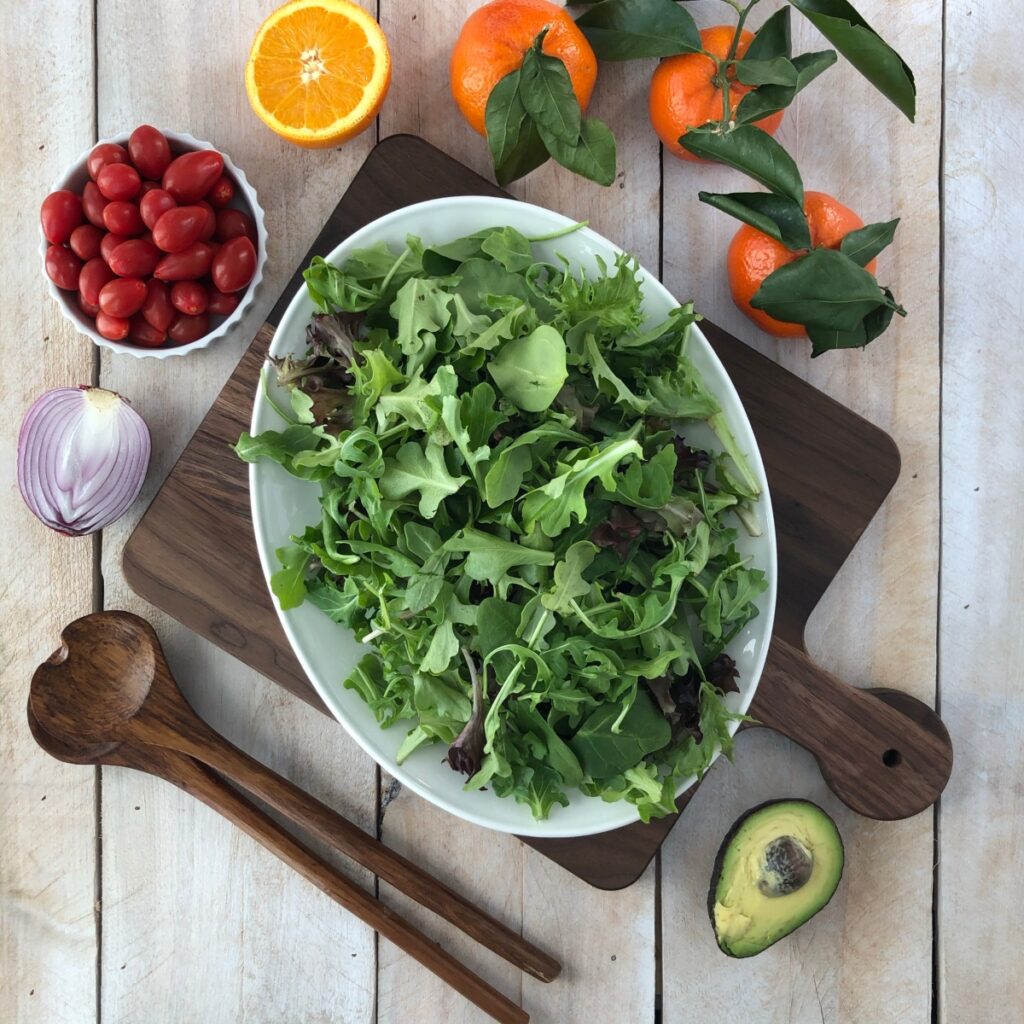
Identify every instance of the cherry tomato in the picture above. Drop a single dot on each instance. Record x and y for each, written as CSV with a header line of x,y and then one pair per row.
x,y
221,303
123,297
118,181
157,308
148,186
187,328
90,309
149,150
93,204
95,274
232,223
211,221
59,215
113,327
177,229
234,265
188,177
189,297
63,267
153,204
123,218
145,334
109,242
103,154
85,241
134,258
221,192
187,265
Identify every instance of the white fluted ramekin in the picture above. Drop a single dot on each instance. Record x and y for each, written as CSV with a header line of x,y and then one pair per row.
x,y
245,199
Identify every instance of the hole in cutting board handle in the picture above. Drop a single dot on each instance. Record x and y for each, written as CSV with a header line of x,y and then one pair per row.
x,y
892,758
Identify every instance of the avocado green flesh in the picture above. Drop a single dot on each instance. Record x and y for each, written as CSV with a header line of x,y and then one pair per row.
x,y
746,920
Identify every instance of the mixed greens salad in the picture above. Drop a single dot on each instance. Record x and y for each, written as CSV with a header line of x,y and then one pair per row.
x,y
544,570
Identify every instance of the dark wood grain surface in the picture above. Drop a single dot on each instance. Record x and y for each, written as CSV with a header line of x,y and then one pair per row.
x,y
194,556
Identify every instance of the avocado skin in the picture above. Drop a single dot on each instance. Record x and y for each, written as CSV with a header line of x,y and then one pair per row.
x,y
716,872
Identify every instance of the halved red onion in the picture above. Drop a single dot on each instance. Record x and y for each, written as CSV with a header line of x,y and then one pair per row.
x,y
82,458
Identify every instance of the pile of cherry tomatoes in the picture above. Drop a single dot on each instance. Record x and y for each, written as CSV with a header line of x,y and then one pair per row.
x,y
151,246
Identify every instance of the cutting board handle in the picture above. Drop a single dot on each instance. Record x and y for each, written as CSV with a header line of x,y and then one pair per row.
x,y
884,753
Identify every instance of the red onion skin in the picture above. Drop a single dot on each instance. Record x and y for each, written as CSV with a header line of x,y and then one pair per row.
x,y
82,459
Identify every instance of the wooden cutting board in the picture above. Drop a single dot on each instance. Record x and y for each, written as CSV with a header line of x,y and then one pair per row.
x,y
883,752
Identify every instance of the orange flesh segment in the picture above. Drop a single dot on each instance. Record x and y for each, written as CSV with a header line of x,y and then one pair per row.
x,y
314,67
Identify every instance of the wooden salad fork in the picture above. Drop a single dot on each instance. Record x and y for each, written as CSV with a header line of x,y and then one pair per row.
x,y
108,697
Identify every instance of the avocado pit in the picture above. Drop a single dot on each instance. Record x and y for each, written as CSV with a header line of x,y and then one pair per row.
x,y
786,866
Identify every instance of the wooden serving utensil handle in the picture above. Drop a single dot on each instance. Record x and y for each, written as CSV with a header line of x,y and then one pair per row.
x,y
205,785
322,821
884,753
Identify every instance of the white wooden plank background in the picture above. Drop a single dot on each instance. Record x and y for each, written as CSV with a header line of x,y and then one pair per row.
x,y
121,900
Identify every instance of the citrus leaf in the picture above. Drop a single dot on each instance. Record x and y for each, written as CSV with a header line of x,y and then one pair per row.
x,y
776,71
527,155
864,244
547,94
751,150
515,144
631,29
593,155
874,324
827,339
772,38
877,322
770,98
777,216
861,45
822,289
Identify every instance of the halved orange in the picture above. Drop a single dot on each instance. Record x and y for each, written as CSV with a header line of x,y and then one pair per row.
x,y
318,71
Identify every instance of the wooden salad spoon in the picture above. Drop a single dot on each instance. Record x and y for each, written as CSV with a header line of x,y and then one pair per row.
x,y
204,784
108,696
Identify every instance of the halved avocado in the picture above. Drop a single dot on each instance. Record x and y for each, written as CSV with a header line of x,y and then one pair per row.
x,y
777,867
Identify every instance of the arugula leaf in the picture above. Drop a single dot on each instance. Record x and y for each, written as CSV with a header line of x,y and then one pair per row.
x,y
552,505
278,446
530,371
511,248
421,309
418,468
490,557
569,582
604,751
288,584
